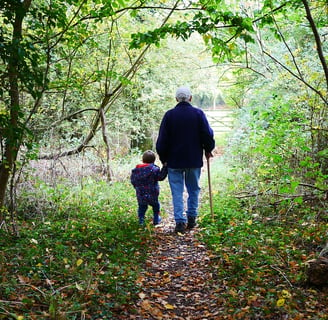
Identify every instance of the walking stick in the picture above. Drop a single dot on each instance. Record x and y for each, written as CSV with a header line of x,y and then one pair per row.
x,y
210,187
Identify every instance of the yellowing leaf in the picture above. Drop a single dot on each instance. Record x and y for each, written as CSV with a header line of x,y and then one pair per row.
x,y
99,256
78,287
226,257
169,306
206,37
280,302
249,222
20,318
79,262
39,264
65,260
285,294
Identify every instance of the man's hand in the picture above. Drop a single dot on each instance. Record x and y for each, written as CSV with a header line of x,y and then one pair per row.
x,y
208,155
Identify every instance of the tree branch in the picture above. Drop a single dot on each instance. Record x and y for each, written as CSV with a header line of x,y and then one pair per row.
x,y
70,116
289,50
317,40
296,76
108,100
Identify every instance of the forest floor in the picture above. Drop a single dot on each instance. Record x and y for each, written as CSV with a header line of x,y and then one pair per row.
x,y
238,264
180,282
257,273
177,282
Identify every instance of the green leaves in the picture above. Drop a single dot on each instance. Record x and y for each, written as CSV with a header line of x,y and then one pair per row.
x,y
264,256
221,27
88,249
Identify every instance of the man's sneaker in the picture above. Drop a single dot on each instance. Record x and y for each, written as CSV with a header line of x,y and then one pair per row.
x,y
180,227
191,222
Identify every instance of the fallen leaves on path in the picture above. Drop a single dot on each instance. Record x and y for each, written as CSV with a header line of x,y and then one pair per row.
x,y
177,281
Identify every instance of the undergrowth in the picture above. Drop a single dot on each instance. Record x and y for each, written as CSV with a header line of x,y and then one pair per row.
x,y
78,259
78,252
259,254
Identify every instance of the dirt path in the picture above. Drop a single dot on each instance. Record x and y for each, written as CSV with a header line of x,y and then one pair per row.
x,y
177,280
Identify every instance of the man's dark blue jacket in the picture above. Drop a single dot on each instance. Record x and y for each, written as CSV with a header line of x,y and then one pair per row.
x,y
184,134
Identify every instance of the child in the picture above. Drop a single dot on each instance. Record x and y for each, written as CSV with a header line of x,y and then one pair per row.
x,y
144,178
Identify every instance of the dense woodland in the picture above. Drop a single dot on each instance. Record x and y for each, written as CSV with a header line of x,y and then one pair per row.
x,y
83,87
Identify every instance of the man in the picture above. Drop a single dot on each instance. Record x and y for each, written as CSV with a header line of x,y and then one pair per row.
x,y
183,137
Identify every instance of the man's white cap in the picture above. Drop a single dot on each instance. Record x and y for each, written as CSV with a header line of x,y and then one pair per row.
x,y
183,93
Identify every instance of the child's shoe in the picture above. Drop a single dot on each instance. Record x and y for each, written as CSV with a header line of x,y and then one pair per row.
x,y
157,220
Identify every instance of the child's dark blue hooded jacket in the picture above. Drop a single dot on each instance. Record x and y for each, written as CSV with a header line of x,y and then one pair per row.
x,y
144,178
183,135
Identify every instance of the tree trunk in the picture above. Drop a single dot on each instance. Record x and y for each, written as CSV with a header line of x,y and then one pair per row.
x,y
13,137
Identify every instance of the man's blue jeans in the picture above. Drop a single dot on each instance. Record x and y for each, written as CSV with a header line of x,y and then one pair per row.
x,y
178,179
